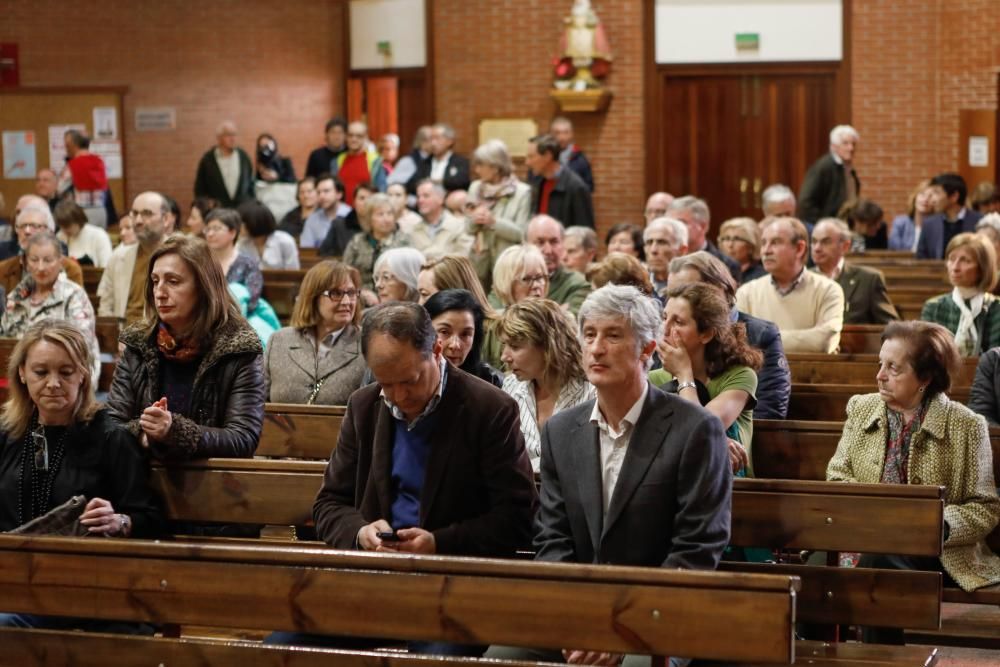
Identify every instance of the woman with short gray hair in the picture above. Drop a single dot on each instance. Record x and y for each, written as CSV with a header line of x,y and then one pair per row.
x,y
497,209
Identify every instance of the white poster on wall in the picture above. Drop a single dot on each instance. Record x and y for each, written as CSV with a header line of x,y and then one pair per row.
x,y
979,151
57,144
19,154
111,153
105,124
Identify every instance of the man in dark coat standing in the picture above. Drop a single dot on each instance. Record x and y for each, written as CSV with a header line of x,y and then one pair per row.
x,y
225,172
831,180
557,190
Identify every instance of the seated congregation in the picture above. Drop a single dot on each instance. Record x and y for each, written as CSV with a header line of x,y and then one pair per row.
x,y
503,388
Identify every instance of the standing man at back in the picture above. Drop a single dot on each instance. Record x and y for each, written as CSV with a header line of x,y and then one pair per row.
x,y
225,172
570,154
556,190
831,180
444,166
323,160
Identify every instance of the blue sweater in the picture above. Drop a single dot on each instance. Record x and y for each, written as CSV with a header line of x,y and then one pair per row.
x,y
410,450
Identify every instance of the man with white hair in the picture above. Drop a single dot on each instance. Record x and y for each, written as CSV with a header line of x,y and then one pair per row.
x,y
579,248
611,464
778,201
225,172
444,167
807,307
694,213
831,180
663,240
864,288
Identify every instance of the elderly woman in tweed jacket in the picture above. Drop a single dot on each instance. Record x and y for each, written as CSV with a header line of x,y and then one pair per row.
x,y
910,432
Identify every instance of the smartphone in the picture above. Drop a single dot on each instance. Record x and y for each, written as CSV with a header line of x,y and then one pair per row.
x,y
388,537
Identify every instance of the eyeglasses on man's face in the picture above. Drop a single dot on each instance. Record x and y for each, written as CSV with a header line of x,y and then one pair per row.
x,y
33,226
145,214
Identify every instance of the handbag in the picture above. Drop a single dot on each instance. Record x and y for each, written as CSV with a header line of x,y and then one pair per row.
x,y
61,521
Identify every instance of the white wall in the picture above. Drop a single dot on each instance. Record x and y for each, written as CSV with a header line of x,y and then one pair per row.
x,y
704,31
400,22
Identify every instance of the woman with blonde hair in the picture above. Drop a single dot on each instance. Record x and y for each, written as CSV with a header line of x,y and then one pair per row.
x,y
498,207
969,311
58,442
543,355
379,234
739,238
189,383
317,360
520,274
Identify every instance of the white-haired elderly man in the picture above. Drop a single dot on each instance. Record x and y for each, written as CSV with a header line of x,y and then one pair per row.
x,y
634,452
831,180
694,213
663,239
778,201
444,166
225,172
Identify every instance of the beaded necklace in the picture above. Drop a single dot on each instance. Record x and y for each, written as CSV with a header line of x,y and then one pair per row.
x,y
38,482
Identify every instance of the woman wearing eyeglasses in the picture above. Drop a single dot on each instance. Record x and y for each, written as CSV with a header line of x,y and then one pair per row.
x,y
520,274
317,360
378,220
56,442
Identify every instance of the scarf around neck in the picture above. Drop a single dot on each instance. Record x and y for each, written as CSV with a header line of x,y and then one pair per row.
x,y
966,335
176,349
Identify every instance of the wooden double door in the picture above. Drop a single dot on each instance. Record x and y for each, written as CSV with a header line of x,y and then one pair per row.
x,y
726,136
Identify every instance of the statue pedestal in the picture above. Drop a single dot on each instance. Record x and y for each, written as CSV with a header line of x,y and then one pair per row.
x,y
570,101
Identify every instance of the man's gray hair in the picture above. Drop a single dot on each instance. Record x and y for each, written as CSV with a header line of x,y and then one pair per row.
x,y
585,235
642,313
405,321
775,194
224,126
44,211
437,187
991,220
843,131
843,230
697,207
677,228
446,129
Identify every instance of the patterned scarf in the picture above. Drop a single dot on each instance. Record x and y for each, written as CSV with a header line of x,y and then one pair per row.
x,y
966,334
491,193
897,446
176,349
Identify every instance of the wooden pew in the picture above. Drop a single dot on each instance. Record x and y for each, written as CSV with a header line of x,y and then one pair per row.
x,y
861,338
859,369
828,402
711,615
300,431
91,279
281,288
108,330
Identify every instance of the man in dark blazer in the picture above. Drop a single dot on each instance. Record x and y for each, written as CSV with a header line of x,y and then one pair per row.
x,y
225,172
570,154
831,180
428,453
443,165
696,216
951,220
556,190
865,297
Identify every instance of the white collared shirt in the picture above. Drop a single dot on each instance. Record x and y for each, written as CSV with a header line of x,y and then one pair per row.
x,y
614,444
431,404
837,270
438,167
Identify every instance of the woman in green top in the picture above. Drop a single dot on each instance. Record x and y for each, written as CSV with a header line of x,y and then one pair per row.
x,y
702,344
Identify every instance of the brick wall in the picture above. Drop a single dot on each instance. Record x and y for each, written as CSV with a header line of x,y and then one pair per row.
x,y
915,65
510,77
270,66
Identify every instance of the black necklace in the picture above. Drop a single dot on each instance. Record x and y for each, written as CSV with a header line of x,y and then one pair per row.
x,y
39,467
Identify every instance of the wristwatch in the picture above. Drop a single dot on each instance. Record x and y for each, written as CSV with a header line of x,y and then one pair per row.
x,y
126,525
684,385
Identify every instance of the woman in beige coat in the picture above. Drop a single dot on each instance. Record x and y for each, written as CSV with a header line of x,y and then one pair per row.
x,y
910,432
497,209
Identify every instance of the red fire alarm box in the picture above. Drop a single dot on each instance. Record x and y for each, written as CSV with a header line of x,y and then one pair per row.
x,y
9,66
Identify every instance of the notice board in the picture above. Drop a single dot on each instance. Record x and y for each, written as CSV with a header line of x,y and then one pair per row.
x,y
37,109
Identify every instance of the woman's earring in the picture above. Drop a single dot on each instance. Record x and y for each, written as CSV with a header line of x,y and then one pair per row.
x,y
921,390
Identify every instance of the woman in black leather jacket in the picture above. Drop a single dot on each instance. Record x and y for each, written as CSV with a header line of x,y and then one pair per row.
x,y
189,383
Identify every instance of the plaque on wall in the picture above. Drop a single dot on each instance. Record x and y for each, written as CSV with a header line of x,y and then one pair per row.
x,y
514,132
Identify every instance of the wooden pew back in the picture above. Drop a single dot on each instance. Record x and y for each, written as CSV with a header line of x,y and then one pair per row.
x,y
856,369
300,431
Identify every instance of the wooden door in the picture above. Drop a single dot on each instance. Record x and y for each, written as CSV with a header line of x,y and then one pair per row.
x,y
394,101
726,136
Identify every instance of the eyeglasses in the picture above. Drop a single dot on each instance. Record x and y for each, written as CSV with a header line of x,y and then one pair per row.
x,y
35,226
384,278
215,229
339,295
41,446
144,215
724,239
531,280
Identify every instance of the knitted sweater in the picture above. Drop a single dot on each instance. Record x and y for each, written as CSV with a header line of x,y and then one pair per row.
x,y
810,317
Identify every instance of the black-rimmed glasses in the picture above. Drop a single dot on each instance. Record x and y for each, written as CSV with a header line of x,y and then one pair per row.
x,y
339,295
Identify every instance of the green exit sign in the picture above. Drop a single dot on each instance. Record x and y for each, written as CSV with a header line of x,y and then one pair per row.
x,y
747,41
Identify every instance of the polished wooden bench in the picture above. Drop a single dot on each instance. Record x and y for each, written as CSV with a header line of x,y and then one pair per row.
x,y
859,369
281,288
300,431
711,615
828,402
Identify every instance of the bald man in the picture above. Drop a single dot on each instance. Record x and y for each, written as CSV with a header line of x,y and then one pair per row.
x,y
225,172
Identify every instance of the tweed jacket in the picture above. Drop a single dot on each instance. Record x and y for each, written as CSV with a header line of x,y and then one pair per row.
x,y
293,368
449,239
951,449
943,311
363,250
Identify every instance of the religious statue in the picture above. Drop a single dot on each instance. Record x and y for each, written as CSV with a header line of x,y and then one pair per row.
x,y
586,54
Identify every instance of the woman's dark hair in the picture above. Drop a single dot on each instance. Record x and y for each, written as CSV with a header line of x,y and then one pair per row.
x,y
635,231
932,352
67,213
228,217
173,207
205,205
258,219
862,210
729,345
460,299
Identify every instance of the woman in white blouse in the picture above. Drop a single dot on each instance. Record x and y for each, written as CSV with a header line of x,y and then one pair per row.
x,y
543,355
85,242
262,241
